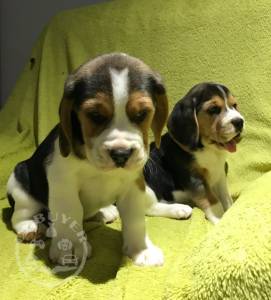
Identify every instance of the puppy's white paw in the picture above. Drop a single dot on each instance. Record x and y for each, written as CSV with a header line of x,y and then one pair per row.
x,y
152,256
213,219
27,230
109,213
213,214
65,251
180,211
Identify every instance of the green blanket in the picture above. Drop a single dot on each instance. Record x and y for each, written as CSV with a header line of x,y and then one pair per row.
x,y
187,41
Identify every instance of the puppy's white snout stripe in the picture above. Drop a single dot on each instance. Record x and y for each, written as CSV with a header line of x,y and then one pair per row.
x,y
120,82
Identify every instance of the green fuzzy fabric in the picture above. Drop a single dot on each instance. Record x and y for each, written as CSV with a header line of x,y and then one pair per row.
x,y
187,41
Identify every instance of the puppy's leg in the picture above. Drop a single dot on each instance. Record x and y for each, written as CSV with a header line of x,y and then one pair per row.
x,y
136,243
222,192
166,209
66,214
25,209
213,211
205,199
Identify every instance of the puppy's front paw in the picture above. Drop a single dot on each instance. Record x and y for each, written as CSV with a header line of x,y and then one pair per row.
x,y
65,251
213,219
152,256
181,211
27,231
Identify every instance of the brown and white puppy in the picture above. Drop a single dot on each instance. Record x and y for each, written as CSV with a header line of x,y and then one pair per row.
x,y
191,161
94,158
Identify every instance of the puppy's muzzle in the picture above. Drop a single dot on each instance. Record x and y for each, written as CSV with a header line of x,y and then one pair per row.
x,y
120,156
238,124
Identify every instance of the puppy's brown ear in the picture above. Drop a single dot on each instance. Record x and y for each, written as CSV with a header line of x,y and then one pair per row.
x,y
183,124
65,130
161,108
65,115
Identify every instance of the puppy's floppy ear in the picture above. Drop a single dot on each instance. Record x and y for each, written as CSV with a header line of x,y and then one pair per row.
x,y
65,127
65,115
161,107
183,124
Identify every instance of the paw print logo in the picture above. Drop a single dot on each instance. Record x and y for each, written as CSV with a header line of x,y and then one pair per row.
x,y
64,245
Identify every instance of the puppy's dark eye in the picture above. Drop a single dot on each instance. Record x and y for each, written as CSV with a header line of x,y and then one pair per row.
x,y
215,110
140,116
98,118
234,105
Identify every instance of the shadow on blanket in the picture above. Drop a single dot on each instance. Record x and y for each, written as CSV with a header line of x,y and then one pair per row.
x,y
6,217
106,258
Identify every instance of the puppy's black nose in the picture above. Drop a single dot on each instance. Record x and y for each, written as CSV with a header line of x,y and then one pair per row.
x,y
238,123
120,156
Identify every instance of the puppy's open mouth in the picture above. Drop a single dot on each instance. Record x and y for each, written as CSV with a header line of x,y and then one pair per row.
x,y
230,145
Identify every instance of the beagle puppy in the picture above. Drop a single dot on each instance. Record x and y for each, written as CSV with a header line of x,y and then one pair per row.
x,y
94,158
191,161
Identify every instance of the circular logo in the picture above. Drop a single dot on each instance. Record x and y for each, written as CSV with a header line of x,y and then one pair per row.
x,y
33,260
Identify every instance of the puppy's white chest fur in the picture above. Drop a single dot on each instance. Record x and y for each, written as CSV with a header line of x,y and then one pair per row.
x,y
212,160
94,188
100,190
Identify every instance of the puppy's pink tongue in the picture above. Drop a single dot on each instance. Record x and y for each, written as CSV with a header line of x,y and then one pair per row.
x,y
230,146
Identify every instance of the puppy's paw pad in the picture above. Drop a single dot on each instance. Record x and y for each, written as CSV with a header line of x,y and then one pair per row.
x,y
151,256
27,231
182,211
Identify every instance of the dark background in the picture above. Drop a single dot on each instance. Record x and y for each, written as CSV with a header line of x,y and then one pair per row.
x,y
21,21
